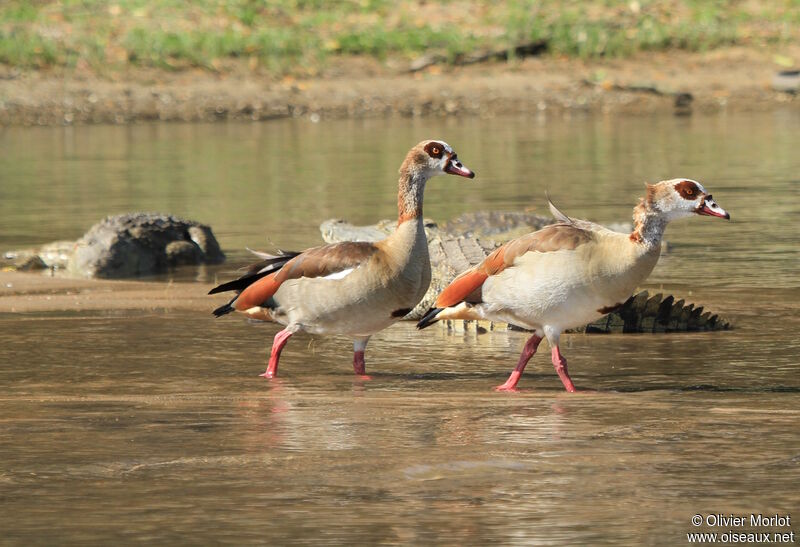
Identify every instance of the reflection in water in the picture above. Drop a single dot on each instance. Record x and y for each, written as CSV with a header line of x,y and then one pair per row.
x,y
147,427
156,427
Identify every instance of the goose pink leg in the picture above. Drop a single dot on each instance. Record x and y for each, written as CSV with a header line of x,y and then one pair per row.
x,y
560,364
527,352
359,365
277,346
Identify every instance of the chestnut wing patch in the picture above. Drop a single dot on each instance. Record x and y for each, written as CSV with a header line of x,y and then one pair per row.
x,y
461,287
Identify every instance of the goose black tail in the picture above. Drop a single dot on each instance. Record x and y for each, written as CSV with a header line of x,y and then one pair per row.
x,y
429,319
240,284
225,309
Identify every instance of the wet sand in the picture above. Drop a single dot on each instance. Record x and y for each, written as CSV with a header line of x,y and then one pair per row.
x,y
732,79
37,293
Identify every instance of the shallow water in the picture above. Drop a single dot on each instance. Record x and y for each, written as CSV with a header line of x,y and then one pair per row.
x,y
135,427
269,185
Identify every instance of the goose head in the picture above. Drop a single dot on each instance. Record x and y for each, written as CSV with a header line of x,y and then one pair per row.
x,y
678,198
434,157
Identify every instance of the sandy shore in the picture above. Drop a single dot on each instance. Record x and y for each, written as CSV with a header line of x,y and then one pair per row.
x,y
31,292
723,80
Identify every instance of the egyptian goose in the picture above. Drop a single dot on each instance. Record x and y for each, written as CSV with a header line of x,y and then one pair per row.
x,y
350,288
569,273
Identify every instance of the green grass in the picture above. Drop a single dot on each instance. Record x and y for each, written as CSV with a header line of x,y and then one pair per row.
x,y
300,36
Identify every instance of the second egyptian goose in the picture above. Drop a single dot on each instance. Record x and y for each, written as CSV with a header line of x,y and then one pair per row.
x,y
351,288
570,273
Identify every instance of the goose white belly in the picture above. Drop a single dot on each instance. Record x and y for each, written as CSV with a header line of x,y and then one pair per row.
x,y
558,289
357,305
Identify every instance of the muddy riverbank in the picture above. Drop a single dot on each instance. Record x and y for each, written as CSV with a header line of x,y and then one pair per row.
x,y
733,79
31,293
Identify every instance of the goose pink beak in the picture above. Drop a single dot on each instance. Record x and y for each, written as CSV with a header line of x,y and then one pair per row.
x,y
710,208
455,167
